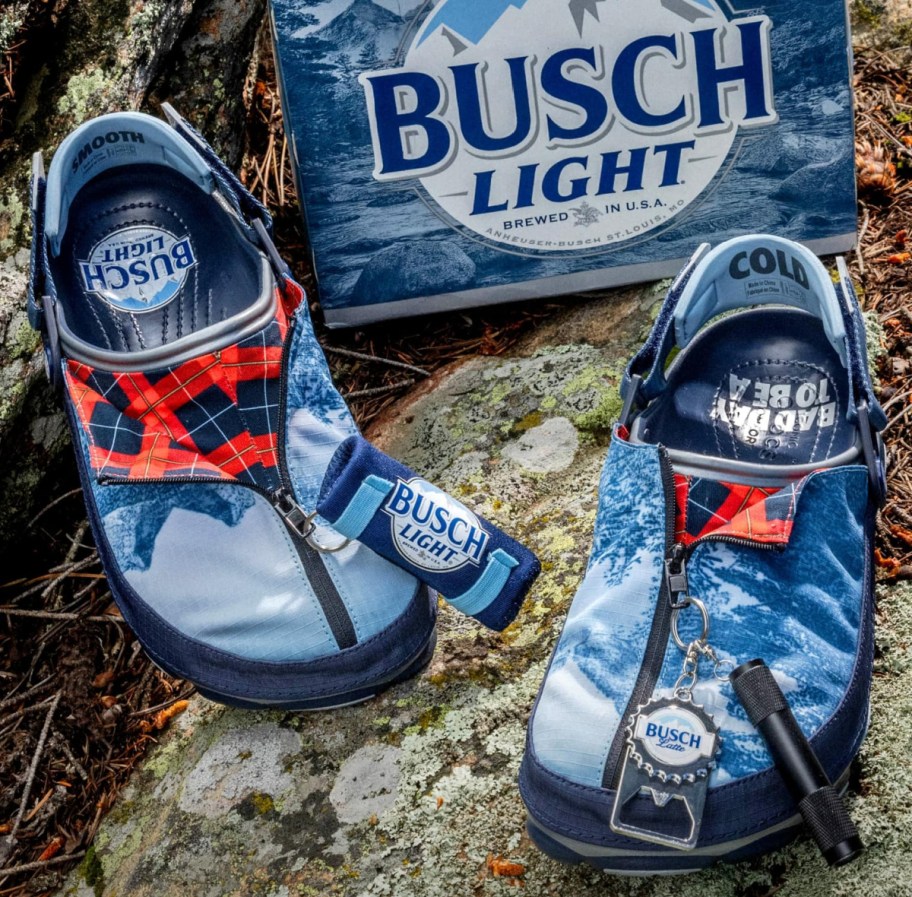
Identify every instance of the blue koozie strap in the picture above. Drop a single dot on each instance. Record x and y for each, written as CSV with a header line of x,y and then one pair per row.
x,y
364,505
481,571
485,591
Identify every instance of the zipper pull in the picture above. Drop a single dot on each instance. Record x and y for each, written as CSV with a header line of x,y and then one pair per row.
x,y
300,522
676,576
295,517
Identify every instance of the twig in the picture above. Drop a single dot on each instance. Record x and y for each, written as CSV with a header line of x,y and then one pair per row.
x,y
77,538
37,583
163,705
899,417
55,502
25,711
45,685
56,591
70,568
897,143
899,397
58,615
80,769
378,390
861,236
144,689
30,779
282,164
40,864
363,356
39,805
85,590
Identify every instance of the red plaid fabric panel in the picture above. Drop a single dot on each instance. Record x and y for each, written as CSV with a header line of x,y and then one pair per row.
x,y
291,295
708,507
215,416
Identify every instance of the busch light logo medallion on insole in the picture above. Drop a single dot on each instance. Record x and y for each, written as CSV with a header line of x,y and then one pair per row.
x,y
569,125
433,531
138,269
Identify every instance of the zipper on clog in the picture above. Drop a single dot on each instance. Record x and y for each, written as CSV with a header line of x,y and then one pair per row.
x,y
659,632
300,524
294,516
296,519
674,583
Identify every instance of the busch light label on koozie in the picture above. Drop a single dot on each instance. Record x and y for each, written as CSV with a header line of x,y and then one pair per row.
x,y
432,530
463,152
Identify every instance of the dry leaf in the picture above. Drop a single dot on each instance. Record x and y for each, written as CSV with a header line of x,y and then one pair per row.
x,y
890,564
103,679
162,718
502,868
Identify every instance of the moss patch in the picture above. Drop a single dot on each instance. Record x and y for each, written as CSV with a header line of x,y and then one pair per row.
x,y
90,869
600,420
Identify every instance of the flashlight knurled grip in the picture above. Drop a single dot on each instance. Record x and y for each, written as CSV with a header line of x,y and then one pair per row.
x,y
818,802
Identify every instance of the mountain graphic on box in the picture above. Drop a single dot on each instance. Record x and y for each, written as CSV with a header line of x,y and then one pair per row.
x,y
471,20
364,29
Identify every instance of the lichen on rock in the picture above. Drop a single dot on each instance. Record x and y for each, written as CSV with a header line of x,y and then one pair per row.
x,y
883,24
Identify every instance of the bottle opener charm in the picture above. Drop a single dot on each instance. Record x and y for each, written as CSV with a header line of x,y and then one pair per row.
x,y
672,744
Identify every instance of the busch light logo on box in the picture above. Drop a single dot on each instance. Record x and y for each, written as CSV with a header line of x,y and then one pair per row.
x,y
592,131
462,152
138,269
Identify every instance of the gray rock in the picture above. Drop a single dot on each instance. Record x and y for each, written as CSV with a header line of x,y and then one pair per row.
x,y
408,794
819,177
366,784
406,270
548,448
240,765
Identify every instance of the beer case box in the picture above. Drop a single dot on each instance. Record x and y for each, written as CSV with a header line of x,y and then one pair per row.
x,y
459,153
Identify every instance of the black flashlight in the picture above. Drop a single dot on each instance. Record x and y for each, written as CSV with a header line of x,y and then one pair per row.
x,y
818,802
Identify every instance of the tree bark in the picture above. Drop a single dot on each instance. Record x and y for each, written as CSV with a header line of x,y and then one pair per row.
x,y
72,60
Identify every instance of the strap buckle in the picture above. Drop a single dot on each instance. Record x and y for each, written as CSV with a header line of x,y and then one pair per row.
x,y
631,400
52,354
875,453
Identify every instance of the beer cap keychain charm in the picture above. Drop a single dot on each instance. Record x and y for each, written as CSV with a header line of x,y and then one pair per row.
x,y
672,745
671,748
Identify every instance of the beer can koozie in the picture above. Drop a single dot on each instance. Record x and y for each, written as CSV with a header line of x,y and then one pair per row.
x,y
459,153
